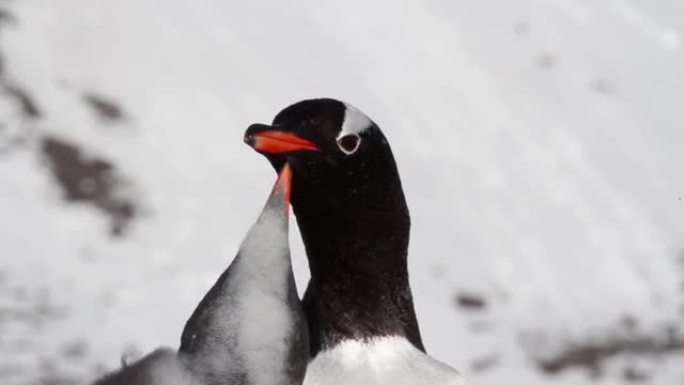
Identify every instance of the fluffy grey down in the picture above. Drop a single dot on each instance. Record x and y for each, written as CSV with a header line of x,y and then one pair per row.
x,y
248,329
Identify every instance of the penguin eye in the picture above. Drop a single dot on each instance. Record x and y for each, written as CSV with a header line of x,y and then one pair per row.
x,y
349,143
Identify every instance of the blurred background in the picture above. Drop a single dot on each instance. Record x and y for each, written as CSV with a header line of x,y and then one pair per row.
x,y
539,142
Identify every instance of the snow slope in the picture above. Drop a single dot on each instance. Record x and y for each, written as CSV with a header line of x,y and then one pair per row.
x,y
538,141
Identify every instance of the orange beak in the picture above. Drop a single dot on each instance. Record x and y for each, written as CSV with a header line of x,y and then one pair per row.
x,y
278,142
284,183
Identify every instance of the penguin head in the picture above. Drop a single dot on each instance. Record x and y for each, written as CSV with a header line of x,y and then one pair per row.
x,y
329,144
346,192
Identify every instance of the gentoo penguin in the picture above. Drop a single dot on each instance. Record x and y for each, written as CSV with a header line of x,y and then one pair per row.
x,y
354,222
249,329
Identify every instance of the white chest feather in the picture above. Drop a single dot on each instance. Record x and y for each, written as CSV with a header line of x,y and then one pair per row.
x,y
382,361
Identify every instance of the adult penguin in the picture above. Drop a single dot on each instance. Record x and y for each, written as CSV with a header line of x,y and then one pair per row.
x,y
352,214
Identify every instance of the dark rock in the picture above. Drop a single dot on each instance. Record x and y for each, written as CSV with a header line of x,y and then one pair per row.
x,y
486,363
105,109
470,301
26,103
89,180
592,353
631,374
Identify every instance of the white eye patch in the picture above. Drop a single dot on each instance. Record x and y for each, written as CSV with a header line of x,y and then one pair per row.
x,y
354,122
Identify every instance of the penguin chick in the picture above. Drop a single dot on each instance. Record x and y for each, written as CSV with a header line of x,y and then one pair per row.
x,y
249,329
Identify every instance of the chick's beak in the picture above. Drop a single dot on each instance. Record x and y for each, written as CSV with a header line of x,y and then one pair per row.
x,y
271,140
284,183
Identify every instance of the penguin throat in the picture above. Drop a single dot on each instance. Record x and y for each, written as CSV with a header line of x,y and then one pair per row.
x,y
359,287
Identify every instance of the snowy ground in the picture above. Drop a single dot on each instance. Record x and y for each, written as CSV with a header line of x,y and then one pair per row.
x,y
539,143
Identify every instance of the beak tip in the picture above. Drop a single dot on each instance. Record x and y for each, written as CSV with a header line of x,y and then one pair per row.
x,y
269,140
249,140
283,184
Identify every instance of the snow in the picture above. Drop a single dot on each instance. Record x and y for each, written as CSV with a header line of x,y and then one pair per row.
x,y
539,144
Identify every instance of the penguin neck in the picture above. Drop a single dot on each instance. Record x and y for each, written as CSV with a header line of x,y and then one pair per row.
x,y
261,265
357,251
